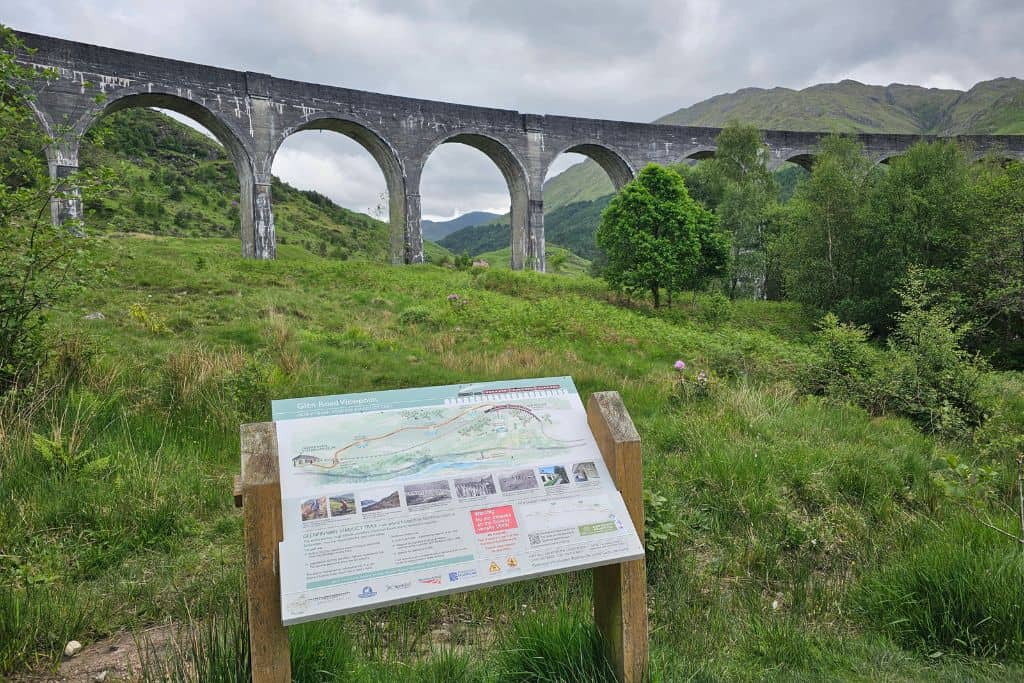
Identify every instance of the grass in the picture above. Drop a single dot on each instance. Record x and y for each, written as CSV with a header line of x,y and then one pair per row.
x,y
803,526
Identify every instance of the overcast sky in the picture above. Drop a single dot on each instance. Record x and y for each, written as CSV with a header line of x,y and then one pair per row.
x,y
622,59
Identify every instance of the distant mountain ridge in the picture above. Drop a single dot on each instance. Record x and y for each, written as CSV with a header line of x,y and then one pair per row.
x,y
993,107
437,230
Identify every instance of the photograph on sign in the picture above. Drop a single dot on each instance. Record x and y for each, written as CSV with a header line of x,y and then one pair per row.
x,y
397,495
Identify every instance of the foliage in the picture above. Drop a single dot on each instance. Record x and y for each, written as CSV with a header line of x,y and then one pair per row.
x,y
742,190
940,383
988,286
828,234
658,529
656,237
775,496
43,264
926,375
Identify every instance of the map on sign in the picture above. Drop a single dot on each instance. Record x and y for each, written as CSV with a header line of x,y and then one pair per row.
x,y
437,441
396,495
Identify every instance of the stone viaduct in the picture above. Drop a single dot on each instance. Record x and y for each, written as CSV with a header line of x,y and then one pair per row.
x,y
251,114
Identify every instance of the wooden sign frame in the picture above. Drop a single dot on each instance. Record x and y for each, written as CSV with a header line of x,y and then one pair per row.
x,y
620,590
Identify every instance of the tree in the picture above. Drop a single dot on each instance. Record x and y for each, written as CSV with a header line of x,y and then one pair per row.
x,y
829,250
743,193
657,237
990,278
42,263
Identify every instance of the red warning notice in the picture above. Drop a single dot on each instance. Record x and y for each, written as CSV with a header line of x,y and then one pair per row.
x,y
493,519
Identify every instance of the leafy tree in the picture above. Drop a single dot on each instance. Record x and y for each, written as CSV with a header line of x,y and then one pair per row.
x,y
989,283
829,247
657,237
743,192
923,213
42,263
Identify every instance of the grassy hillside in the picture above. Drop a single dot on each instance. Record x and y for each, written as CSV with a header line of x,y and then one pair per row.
x,y
560,260
571,226
176,181
807,540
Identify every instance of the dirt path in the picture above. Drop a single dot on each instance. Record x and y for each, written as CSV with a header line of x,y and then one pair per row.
x,y
117,655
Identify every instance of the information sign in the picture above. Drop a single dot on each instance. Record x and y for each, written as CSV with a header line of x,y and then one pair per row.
x,y
396,495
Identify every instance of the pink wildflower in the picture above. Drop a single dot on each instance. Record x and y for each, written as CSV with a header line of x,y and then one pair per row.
x,y
680,365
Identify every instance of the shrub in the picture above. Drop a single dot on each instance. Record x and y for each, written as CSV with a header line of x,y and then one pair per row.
x,y
847,363
925,375
939,382
250,389
416,315
658,529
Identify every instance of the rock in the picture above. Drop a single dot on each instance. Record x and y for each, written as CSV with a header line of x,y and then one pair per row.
x,y
72,648
94,316
101,676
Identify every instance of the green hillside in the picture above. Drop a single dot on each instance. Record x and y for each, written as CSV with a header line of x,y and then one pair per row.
x,y
435,230
803,538
176,181
570,226
993,107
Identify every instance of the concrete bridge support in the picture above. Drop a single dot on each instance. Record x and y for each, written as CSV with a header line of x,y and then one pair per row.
x,y
66,205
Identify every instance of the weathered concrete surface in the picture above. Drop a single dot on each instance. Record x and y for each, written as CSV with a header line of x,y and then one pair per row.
x,y
252,114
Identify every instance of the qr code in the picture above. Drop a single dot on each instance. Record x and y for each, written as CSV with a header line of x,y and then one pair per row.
x,y
535,539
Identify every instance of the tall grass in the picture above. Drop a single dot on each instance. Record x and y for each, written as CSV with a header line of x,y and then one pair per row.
x,y
955,589
212,650
553,647
35,624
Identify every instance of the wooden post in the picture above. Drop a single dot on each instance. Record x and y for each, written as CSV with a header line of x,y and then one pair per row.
x,y
620,590
261,498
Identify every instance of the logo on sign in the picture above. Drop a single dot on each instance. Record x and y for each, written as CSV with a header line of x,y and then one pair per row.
x,y
367,592
431,580
462,574
494,568
398,586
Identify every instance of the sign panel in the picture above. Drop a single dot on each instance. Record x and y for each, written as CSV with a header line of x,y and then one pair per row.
x,y
396,495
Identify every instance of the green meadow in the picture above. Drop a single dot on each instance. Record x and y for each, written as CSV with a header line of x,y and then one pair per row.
x,y
794,537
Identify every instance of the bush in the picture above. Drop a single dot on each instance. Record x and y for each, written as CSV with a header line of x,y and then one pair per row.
x,y
847,363
250,389
416,315
938,381
926,375
961,590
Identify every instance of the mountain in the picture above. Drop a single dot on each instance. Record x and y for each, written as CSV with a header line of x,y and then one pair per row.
x,y
176,181
436,230
993,107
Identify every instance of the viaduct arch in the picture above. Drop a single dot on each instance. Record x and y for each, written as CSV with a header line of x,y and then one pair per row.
x,y
253,113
